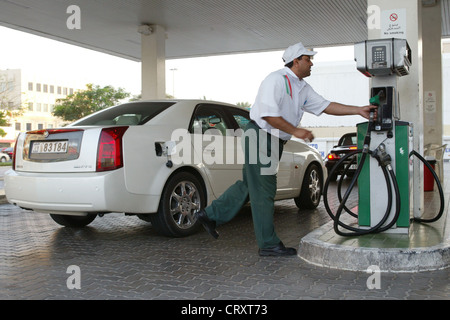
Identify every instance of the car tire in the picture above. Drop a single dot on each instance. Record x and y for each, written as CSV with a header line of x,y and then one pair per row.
x,y
182,196
3,159
311,190
73,221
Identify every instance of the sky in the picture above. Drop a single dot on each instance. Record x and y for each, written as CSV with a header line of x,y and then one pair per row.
x,y
229,78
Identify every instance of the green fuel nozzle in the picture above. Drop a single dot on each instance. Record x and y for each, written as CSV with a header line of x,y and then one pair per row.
x,y
375,100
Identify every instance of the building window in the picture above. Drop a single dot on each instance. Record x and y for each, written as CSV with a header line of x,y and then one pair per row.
x,y
71,91
38,87
51,107
29,127
38,107
30,106
45,88
45,107
30,86
59,90
52,89
40,126
18,126
65,91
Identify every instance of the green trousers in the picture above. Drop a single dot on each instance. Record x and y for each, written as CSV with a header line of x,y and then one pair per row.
x,y
259,186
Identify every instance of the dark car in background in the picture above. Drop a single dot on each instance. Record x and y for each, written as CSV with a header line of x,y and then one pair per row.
x,y
347,143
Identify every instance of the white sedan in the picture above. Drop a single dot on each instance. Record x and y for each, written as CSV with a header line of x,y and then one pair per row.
x,y
159,160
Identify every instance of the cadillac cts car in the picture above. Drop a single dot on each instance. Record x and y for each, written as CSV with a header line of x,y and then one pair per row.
x,y
125,159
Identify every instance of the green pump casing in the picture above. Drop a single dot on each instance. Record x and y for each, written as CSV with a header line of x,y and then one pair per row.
x,y
372,189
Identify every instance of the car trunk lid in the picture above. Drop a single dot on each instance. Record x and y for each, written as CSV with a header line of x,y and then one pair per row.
x,y
67,149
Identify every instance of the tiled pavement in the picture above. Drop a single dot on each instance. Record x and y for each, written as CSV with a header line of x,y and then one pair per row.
x,y
123,258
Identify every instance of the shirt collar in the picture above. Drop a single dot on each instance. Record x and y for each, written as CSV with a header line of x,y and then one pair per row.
x,y
293,76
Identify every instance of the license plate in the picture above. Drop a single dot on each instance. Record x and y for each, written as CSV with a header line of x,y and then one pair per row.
x,y
49,147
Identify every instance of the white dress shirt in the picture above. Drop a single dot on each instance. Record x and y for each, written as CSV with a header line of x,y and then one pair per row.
x,y
283,94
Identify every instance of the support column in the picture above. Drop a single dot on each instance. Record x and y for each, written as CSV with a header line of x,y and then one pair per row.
x,y
153,62
403,19
432,73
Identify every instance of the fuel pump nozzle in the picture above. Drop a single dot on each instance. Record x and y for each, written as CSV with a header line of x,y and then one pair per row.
x,y
375,100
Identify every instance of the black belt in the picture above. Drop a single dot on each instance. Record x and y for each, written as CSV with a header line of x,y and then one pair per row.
x,y
281,140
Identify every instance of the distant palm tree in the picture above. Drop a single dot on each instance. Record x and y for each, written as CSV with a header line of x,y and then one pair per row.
x,y
246,105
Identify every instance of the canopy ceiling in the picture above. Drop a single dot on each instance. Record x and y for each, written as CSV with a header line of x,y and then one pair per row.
x,y
197,27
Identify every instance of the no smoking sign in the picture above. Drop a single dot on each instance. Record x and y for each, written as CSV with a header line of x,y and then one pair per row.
x,y
393,23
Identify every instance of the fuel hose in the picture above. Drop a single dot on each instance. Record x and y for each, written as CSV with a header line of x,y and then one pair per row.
x,y
384,162
438,183
355,231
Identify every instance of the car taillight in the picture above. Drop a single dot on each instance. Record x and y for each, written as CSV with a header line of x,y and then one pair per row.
x,y
333,156
109,153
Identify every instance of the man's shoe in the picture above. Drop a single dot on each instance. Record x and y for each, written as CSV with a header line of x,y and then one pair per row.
x,y
278,250
207,223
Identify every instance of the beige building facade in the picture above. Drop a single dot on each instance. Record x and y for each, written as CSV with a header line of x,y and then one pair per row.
x,y
36,96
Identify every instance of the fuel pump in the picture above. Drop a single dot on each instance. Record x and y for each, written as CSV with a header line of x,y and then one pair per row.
x,y
385,148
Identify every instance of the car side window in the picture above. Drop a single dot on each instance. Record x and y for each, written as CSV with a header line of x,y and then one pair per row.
x,y
208,117
241,119
348,139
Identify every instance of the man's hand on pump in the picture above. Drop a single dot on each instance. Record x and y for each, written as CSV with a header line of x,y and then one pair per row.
x,y
365,111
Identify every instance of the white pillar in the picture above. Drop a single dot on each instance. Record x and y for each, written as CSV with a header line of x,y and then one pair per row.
x,y
153,63
402,19
432,73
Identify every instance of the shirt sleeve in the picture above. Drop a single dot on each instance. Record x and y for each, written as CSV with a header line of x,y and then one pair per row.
x,y
270,96
314,103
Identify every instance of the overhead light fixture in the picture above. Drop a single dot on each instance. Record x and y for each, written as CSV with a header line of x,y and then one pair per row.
x,y
145,29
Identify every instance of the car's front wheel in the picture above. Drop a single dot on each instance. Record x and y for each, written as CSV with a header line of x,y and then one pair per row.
x,y
182,196
73,221
311,190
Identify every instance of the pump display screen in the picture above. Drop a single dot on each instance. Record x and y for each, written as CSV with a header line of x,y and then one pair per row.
x,y
379,57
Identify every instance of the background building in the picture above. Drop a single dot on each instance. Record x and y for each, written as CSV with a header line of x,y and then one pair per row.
x,y
36,96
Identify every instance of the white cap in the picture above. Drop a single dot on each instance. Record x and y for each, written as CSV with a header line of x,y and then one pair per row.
x,y
295,51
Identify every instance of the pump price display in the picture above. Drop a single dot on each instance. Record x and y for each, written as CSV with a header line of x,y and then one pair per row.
x,y
46,147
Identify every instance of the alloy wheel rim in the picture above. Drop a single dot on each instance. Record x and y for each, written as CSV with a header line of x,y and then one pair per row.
x,y
184,202
314,186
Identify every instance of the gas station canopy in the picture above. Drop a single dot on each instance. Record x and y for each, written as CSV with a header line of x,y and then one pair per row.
x,y
197,27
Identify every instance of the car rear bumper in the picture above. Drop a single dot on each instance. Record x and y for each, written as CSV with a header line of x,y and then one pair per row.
x,y
76,193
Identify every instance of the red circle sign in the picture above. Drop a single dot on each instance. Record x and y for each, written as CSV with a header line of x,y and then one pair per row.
x,y
393,17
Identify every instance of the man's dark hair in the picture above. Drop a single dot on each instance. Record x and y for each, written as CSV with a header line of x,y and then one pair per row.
x,y
291,64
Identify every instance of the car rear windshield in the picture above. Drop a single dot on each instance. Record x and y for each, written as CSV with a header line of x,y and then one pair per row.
x,y
129,114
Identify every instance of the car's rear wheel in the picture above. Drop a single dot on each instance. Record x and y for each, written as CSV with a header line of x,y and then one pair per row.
x,y
182,196
311,191
73,221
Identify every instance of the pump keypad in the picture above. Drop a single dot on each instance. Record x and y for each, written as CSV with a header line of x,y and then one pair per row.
x,y
379,54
